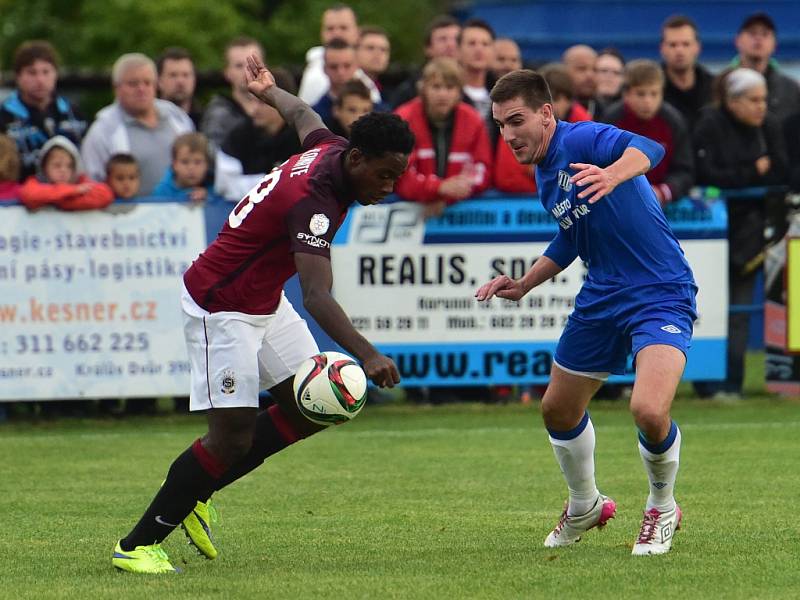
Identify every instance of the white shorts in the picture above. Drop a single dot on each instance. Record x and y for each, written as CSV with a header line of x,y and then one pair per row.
x,y
234,355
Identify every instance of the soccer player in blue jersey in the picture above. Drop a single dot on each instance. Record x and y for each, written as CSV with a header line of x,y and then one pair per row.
x,y
639,298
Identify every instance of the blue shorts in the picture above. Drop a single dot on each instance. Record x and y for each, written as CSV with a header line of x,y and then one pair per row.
x,y
602,345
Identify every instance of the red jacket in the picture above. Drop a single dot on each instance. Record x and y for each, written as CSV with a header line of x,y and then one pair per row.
x,y
9,190
66,196
469,144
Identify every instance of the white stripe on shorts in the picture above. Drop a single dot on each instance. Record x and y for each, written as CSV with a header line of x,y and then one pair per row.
x,y
598,375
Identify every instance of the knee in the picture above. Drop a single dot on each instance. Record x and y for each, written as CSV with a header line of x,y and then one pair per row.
x,y
232,447
651,421
557,417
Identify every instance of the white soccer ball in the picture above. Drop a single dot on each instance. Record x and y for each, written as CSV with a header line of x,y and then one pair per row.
x,y
330,388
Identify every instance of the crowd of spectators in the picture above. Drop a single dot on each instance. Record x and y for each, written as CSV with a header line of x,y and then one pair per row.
x,y
736,129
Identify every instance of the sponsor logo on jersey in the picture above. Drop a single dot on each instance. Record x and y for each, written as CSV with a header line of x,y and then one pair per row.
x,y
313,240
563,181
670,329
228,382
319,224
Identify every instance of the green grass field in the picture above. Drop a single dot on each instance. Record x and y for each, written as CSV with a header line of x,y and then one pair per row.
x,y
410,502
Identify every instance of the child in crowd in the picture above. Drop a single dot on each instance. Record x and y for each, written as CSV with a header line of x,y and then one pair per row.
x,y
185,179
353,102
642,110
9,168
61,182
122,175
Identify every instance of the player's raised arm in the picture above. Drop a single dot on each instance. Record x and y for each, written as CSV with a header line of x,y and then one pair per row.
x,y
294,111
640,155
316,280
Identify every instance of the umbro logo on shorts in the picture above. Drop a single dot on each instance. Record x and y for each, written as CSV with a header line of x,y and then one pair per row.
x,y
670,329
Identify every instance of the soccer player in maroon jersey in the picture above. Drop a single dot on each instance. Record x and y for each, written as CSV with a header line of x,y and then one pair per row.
x,y
243,335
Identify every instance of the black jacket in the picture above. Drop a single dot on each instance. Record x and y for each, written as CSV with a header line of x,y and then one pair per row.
x,y
726,151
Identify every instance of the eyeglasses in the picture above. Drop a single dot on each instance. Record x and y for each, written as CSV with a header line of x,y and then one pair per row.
x,y
608,71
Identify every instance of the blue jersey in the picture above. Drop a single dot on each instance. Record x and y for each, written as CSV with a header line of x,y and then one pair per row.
x,y
624,238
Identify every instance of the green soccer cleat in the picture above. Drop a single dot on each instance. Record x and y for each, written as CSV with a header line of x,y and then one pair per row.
x,y
143,559
197,527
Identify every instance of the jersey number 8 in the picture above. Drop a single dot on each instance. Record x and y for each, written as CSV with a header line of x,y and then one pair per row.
x,y
256,195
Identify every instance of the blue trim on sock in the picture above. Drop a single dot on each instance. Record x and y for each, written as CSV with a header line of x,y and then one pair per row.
x,y
572,433
664,445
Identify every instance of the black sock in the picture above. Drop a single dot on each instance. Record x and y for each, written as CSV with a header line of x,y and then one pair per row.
x,y
267,440
192,476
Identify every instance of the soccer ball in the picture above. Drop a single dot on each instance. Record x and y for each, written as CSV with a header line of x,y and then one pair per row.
x,y
330,388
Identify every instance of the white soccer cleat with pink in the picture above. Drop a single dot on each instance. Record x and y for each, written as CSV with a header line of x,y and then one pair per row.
x,y
658,529
570,528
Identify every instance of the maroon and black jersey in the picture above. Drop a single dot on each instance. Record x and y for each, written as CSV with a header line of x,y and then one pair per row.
x,y
296,208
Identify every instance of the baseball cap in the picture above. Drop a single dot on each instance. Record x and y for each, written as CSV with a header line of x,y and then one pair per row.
x,y
758,18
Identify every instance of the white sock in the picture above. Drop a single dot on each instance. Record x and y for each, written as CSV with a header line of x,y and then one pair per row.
x,y
662,469
575,456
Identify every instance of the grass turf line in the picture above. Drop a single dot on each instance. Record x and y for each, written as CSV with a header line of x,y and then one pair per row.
x,y
407,502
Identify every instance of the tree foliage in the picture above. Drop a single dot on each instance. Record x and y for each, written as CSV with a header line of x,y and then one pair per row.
x,y
93,33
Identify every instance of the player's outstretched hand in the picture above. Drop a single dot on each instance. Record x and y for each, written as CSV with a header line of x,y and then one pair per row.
x,y
502,287
259,79
599,181
381,370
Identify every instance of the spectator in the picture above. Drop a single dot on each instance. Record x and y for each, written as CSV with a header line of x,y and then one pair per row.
x,y
186,178
580,62
452,156
122,176
9,169
791,135
338,22
225,112
755,43
441,41
688,84
340,67
609,71
565,106
738,145
60,181
34,113
476,55
643,111
352,103
263,142
176,81
372,52
137,123
507,57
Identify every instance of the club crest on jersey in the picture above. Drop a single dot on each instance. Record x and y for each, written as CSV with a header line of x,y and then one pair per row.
x,y
319,224
228,382
563,181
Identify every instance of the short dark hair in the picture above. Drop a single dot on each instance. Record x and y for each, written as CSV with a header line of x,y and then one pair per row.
x,y
611,51
676,21
242,41
172,53
440,22
354,87
377,133
29,52
284,79
337,44
524,83
476,24
372,30
121,158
